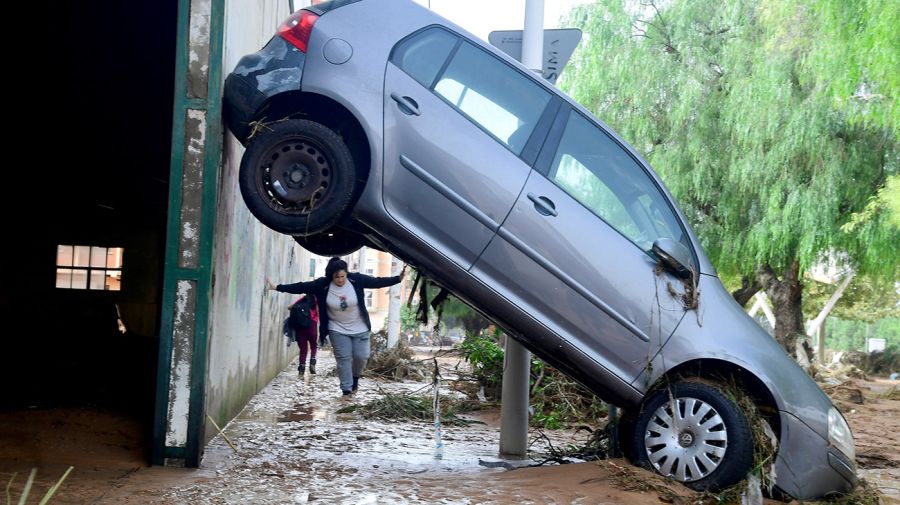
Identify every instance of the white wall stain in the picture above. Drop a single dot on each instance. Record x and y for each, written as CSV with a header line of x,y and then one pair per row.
x,y
192,187
180,368
198,53
197,142
199,31
188,234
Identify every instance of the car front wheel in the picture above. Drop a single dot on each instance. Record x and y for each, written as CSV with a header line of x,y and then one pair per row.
x,y
694,433
297,177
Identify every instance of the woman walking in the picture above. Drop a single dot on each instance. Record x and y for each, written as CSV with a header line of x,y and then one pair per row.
x,y
304,321
343,315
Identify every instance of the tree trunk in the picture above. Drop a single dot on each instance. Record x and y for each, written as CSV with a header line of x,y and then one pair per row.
x,y
786,295
749,287
394,302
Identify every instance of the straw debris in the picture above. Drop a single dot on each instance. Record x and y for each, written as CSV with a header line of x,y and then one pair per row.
x,y
864,494
395,364
414,408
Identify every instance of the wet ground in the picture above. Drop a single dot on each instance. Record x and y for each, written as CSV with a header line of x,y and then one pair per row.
x,y
293,447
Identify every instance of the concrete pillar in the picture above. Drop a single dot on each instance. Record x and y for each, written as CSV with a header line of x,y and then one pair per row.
x,y
514,402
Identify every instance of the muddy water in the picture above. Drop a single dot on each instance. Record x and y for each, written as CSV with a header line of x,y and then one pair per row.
x,y
293,447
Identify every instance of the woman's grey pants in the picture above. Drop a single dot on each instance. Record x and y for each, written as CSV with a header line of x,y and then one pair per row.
x,y
351,352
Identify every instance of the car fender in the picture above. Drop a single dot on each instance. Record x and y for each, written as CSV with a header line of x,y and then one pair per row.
x,y
719,329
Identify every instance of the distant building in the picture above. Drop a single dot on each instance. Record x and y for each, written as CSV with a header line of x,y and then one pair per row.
x,y
377,264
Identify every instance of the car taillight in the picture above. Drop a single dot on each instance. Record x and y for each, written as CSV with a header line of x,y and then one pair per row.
x,y
297,28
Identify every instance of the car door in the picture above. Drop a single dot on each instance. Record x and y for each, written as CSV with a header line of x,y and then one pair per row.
x,y
457,120
574,251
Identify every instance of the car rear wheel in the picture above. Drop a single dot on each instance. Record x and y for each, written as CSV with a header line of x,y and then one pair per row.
x,y
297,177
694,433
334,242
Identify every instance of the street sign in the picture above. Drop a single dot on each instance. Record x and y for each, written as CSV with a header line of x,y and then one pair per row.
x,y
559,44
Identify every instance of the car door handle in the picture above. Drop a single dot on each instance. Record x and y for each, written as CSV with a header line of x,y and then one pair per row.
x,y
543,205
407,105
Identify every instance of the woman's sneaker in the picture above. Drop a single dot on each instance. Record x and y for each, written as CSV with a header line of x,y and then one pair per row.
x,y
312,366
301,369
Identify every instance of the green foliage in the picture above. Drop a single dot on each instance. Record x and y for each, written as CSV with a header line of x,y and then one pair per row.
x,y
865,299
557,400
844,335
850,51
886,203
408,319
483,352
890,198
774,124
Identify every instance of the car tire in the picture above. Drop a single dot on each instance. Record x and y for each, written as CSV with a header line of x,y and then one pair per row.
x,y
297,177
709,448
334,242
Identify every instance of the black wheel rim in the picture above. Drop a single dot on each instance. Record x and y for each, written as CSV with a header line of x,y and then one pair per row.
x,y
295,175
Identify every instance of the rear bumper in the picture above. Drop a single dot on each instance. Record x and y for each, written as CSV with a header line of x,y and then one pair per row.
x,y
274,69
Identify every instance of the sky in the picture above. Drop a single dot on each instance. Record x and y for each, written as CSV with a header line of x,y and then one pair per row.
x,y
484,16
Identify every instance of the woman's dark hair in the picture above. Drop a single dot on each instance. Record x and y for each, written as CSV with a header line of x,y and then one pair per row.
x,y
335,264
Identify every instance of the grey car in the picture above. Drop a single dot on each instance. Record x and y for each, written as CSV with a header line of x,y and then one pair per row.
x,y
377,122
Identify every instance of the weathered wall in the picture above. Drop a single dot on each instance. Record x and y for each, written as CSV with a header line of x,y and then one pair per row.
x,y
246,347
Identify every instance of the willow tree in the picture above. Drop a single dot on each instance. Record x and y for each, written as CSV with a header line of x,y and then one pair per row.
x,y
774,136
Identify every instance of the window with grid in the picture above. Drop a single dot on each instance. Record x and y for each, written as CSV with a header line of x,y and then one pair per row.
x,y
89,267
370,299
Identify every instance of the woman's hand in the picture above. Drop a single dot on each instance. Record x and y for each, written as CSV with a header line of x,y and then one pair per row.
x,y
269,285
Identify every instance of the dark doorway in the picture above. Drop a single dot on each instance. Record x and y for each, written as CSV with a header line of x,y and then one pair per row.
x,y
99,145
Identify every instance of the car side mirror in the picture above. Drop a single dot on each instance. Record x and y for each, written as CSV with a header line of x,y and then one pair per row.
x,y
674,256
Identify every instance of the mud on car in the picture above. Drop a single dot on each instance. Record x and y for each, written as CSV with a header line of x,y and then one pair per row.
x,y
377,122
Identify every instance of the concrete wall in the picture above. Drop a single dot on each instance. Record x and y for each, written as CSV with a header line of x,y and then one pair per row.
x,y
246,348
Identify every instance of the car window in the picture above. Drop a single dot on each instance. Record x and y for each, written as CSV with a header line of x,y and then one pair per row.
x,y
599,173
494,95
422,55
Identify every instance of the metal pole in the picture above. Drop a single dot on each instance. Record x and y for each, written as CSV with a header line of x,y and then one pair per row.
x,y
533,36
517,359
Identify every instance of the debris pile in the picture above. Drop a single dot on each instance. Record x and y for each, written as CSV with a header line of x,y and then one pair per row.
x,y
396,363
414,408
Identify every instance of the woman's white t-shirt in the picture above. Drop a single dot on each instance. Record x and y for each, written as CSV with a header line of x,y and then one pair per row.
x,y
343,310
